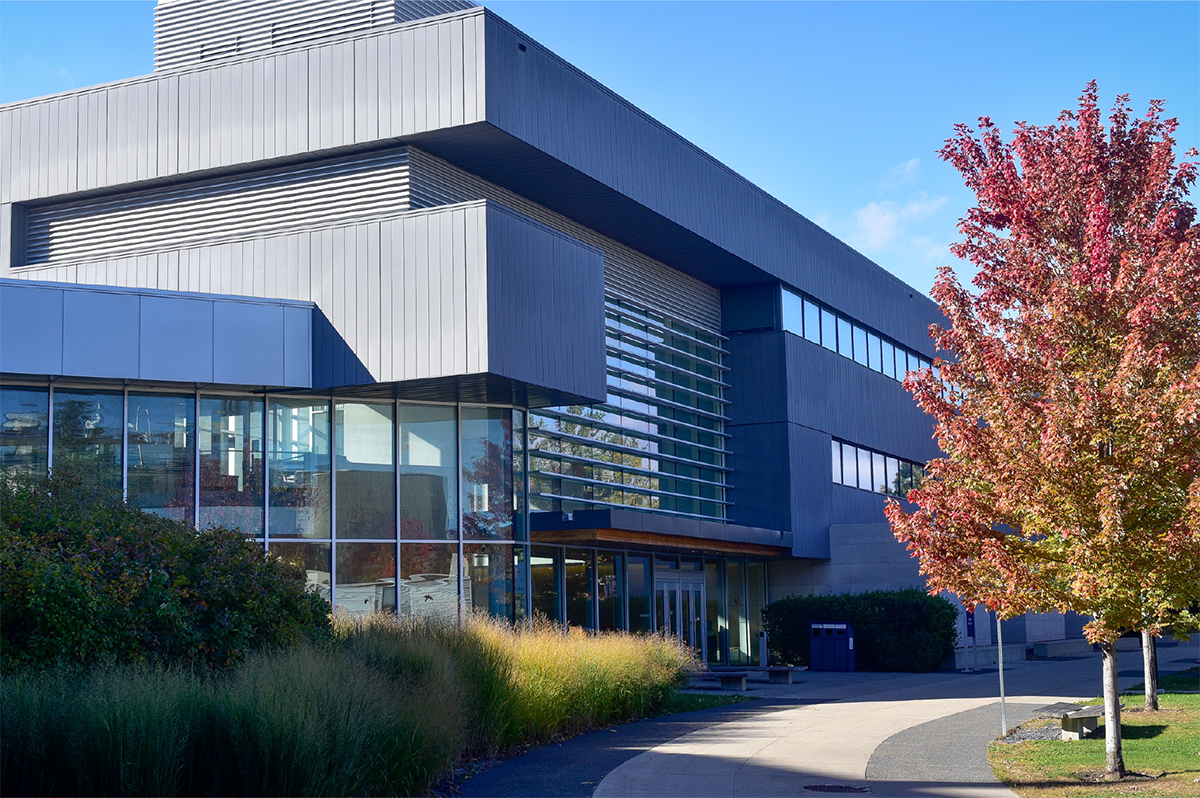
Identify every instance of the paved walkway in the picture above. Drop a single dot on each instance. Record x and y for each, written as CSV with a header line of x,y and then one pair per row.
x,y
902,735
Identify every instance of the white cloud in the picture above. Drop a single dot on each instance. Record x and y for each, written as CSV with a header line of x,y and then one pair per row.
x,y
879,224
900,174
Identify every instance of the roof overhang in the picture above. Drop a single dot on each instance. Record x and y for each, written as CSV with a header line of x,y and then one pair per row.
x,y
641,530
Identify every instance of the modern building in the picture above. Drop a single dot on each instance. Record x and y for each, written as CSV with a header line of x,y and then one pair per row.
x,y
422,307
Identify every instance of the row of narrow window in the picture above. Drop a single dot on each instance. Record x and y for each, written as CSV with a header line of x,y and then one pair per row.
x,y
835,332
865,469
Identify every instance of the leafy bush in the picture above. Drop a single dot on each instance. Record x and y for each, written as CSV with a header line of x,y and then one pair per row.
x,y
904,630
85,578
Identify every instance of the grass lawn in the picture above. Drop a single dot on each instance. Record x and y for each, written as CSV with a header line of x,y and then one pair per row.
x,y
1163,744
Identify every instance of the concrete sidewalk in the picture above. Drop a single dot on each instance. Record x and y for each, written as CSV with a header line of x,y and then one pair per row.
x,y
890,735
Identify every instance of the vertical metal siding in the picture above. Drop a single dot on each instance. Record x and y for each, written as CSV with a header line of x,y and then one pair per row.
x,y
241,111
436,318
627,273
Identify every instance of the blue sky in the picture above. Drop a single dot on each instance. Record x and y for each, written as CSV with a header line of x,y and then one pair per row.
x,y
836,108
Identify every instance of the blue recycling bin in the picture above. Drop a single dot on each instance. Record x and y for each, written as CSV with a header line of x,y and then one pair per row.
x,y
831,647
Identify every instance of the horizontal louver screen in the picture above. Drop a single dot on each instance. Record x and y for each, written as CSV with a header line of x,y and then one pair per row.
x,y
187,31
627,273
223,209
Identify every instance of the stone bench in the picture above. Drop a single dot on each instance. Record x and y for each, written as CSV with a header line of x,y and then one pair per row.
x,y
732,680
1077,720
780,674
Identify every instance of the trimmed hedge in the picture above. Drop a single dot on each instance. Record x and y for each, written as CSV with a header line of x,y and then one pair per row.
x,y
86,578
904,630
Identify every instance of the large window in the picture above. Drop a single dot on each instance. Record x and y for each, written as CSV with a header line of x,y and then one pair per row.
x,y
161,452
24,430
366,474
299,469
488,475
231,463
428,472
88,434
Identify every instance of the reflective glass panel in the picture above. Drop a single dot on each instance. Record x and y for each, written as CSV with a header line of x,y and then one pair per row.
x,y
812,322
836,456
739,627
231,463
487,452
906,478
488,578
880,473
24,430
873,352
860,345
793,313
429,580
716,625
610,595
366,475
299,468
578,570
161,474
520,581
640,578
901,363
845,346
313,558
756,597
849,465
893,475
88,434
914,362
828,330
864,469
428,472
520,516
889,360
366,578
545,577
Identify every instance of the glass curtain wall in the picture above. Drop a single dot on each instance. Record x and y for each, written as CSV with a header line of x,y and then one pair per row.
x,y
658,442
230,433
88,434
161,475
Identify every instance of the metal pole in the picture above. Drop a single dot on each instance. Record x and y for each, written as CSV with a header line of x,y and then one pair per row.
x,y
1000,659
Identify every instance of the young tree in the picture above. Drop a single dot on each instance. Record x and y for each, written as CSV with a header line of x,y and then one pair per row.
x,y
1068,406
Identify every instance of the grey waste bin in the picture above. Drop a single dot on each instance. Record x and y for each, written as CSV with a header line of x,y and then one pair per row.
x,y
831,647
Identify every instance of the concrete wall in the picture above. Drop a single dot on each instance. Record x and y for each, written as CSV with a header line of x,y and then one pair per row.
x,y
862,557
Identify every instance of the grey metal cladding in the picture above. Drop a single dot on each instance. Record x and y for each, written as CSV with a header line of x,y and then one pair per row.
x,y
727,225
130,334
545,306
189,31
628,274
246,205
342,94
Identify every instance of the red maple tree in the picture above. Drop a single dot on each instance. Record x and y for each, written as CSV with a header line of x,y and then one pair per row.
x,y
1068,403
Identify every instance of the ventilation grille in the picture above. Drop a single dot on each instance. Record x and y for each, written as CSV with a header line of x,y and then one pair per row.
x,y
628,274
189,31
222,209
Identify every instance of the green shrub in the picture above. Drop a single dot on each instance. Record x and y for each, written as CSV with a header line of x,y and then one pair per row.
x,y
85,578
905,630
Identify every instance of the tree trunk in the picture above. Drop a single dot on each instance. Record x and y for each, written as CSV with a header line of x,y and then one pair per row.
x,y
1150,670
1114,762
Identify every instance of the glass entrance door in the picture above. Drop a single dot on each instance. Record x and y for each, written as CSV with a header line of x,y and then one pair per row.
x,y
679,606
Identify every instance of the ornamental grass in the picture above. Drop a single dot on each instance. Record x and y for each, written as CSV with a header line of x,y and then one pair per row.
x,y
382,708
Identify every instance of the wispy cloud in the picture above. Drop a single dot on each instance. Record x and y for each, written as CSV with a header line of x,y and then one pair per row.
x,y
879,224
899,175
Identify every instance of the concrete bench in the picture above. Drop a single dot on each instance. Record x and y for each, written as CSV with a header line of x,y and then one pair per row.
x,y
732,680
779,674
1077,720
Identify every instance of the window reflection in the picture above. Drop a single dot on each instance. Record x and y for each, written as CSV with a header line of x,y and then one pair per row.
x,y
545,577
429,580
428,472
366,578
488,578
88,434
366,476
231,463
580,596
24,430
161,473
610,593
487,452
298,465
313,558
861,468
